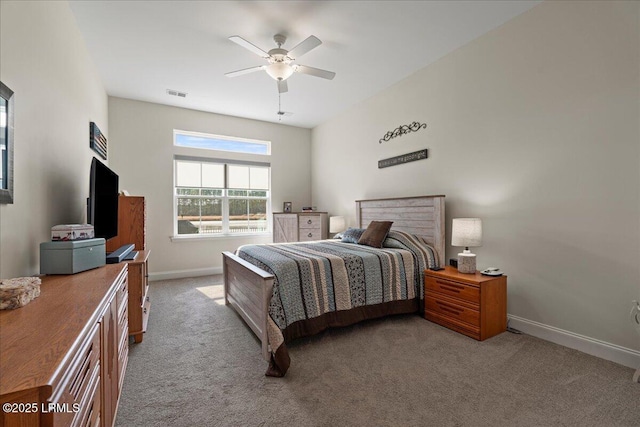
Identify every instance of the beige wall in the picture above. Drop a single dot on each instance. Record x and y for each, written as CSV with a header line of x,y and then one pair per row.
x,y
533,127
43,59
141,137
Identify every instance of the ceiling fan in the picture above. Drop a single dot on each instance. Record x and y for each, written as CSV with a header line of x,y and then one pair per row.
x,y
281,61
281,113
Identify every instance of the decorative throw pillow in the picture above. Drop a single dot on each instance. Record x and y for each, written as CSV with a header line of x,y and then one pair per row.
x,y
375,233
352,235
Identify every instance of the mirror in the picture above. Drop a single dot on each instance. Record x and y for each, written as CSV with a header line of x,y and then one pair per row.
x,y
6,144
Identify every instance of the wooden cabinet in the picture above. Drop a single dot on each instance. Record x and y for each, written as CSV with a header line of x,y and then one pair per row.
x,y
472,304
132,216
60,359
300,226
139,304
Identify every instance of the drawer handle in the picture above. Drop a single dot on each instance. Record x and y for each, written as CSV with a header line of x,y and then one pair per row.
x,y
450,289
450,286
309,235
88,419
81,376
449,308
309,221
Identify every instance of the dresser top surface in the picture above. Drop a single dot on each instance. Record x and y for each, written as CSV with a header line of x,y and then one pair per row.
x,y
36,339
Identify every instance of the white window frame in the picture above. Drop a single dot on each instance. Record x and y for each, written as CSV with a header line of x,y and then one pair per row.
x,y
225,199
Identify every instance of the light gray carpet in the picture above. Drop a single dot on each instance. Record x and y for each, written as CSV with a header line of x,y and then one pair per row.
x,y
200,365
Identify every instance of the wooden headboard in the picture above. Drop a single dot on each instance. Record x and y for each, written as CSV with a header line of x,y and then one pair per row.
x,y
421,215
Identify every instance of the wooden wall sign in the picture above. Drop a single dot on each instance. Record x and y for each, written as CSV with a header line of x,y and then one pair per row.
x,y
405,158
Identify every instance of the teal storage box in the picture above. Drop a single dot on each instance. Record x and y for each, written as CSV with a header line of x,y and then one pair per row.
x,y
70,257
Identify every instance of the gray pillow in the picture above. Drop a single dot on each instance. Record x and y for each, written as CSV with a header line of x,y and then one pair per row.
x,y
352,235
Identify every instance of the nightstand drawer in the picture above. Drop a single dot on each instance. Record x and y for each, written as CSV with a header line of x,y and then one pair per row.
x,y
454,309
311,221
456,325
453,289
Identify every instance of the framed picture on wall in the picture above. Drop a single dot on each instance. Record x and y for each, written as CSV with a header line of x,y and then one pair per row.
x,y
287,207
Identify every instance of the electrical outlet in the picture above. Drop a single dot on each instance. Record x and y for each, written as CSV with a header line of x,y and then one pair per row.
x,y
635,314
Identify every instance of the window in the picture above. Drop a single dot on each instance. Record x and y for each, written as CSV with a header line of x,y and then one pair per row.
x,y
217,197
221,143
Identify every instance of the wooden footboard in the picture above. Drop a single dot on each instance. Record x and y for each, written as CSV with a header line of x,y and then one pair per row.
x,y
248,290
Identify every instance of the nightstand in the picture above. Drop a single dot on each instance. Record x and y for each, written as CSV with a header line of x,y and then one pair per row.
x,y
472,304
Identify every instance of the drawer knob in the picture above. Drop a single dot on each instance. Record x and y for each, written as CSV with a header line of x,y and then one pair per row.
x,y
309,235
308,221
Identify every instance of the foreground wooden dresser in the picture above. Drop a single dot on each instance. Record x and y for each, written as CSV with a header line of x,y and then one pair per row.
x,y
472,304
63,356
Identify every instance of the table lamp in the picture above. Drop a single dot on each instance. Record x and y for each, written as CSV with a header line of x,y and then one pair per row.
x,y
337,224
466,232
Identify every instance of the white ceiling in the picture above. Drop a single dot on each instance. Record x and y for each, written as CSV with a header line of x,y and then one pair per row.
x,y
143,48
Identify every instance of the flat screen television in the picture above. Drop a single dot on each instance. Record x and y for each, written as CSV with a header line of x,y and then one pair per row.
x,y
102,205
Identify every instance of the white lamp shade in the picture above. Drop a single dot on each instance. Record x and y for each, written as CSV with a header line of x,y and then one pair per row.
x,y
337,224
280,70
466,232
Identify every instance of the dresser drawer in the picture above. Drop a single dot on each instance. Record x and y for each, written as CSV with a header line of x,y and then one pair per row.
x,y
122,294
308,235
90,408
78,386
310,221
453,289
451,308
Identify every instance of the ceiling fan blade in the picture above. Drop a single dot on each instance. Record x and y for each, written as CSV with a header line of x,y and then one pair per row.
x,y
249,46
329,75
304,46
283,86
245,71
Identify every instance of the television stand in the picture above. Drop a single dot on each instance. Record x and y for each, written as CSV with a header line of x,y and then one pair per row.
x,y
120,254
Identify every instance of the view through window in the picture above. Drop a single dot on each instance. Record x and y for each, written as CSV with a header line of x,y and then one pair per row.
x,y
221,198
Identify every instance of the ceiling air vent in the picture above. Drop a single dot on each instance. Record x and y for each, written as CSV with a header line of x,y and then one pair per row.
x,y
176,93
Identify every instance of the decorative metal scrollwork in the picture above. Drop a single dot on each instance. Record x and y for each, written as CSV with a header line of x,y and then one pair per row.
x,y
402,130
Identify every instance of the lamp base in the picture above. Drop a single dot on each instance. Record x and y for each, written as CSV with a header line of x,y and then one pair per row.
x,y
467,263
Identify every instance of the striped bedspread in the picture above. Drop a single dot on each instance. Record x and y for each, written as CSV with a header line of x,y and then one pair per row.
x,y
317,284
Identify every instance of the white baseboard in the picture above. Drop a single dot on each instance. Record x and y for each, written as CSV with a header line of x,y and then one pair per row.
x,y
181,274
604,350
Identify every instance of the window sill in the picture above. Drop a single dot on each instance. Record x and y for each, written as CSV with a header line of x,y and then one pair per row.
x,y
193,237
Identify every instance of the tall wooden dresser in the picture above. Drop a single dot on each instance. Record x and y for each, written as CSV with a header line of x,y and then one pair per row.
x,y
300,226
132,226
63,356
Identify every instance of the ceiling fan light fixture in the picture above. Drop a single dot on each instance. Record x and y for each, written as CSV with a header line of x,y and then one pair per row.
x,y
279,70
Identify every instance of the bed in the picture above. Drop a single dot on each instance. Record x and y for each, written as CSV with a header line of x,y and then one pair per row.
x,y
286,291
